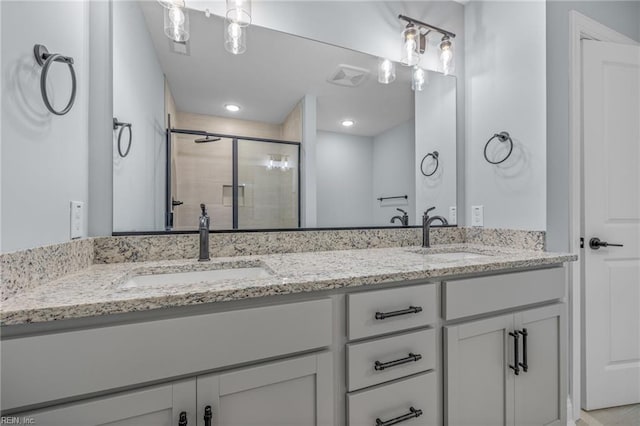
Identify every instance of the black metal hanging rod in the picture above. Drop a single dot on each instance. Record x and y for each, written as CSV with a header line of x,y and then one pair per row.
x,y
428,26
406,197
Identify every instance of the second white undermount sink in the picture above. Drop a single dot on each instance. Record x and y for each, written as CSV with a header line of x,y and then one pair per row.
x,y
437,255
194,277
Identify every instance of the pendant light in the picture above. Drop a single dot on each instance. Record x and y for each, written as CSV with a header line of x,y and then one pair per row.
x,y
418,79
411,41
446,55
386,71
176,23
238,17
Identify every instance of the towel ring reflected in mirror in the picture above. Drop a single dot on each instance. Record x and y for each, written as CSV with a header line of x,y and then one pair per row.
x,y
45,59
435,155
502,137
122,126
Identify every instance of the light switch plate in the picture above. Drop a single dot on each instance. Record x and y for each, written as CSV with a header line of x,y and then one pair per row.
x,y
77,219
453,215
477,215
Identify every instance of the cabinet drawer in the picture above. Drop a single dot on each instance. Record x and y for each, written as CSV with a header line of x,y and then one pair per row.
x,y
474,296
396,400
413,352
63,365
386,311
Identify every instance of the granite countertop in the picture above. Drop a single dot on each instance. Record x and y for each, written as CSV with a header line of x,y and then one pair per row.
x,y
103,289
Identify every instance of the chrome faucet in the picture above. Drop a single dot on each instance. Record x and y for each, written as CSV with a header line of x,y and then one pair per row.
x,y
204,235
426,226
404,219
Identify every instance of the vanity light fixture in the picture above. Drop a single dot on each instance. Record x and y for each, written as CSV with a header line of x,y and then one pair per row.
x,y
418,79
235,38
348,122
446,55
239,11
232,107
280,162
238,17
176,20
386,71
413,43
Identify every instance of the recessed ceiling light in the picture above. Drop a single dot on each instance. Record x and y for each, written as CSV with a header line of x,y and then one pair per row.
x,y
232,108
348,123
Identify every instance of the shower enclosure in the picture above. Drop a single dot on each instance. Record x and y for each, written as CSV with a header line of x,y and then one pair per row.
x,y
246,183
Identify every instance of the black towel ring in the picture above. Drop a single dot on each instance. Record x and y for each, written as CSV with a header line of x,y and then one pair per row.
x,y
45,59
502,137
122,126
435,156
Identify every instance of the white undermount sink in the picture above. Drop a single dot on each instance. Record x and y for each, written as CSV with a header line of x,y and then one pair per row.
x,y
448,256
194,277
460,255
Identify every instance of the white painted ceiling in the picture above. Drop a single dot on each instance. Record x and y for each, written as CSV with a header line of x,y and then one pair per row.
x,y
275,72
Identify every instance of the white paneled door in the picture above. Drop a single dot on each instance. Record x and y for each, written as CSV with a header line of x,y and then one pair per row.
x,y
611,136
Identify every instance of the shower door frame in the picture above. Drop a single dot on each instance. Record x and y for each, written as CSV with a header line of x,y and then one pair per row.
x,y
234,164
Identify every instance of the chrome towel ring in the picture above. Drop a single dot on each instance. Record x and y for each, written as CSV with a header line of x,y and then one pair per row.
x,y
435,155
502,137
122,126
45,59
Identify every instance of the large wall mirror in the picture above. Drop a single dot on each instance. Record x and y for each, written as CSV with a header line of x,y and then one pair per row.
x,y
293,133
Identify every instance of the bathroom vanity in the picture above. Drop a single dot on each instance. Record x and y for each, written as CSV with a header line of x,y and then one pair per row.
x,y
454,335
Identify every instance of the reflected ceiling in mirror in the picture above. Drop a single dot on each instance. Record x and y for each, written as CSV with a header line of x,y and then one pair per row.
x,y
345,138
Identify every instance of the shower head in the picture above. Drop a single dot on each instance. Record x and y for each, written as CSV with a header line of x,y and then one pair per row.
x,y
206,139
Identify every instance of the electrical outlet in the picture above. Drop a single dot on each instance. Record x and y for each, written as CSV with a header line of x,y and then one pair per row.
x,y
453,215
477,215
77,219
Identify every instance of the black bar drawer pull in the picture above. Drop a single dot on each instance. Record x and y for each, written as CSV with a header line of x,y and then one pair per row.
x,y
380,366
516,358
409,310
208,415
182,419
412,414
523,364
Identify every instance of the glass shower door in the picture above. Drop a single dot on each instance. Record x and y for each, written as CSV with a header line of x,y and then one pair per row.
x,y
201,172
268,193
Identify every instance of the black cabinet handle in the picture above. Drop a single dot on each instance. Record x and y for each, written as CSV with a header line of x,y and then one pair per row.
x,y
595,244
380,366
516,366
412,414
409,310
208,415
524,364
182,420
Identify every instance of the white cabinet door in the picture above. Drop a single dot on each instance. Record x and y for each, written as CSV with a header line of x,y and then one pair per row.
x,y
478,381
540,388
293,392
157,406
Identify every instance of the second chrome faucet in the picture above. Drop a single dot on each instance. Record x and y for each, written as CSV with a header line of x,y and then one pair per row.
x,y
426,226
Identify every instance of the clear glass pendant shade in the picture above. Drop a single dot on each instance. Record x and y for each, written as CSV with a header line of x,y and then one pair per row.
x,y
235,38
446,55
239,11
176,23
410,55
386,71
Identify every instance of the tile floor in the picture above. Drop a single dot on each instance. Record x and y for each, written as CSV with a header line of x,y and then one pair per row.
x,y
626,415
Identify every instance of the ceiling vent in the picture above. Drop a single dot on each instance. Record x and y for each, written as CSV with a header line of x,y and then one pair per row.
x,y
349,76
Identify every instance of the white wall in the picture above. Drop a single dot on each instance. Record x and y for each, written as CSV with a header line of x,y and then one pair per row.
x,y
506,90
44,157
138,98
435,130
344,179
392,169
622,16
